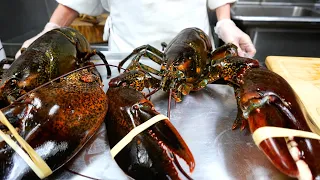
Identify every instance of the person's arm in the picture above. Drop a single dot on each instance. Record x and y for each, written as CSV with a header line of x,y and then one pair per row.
x,y
223,12
63,16
230,33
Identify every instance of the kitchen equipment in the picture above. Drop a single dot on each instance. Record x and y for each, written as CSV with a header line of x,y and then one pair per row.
x,y
303,74
293,24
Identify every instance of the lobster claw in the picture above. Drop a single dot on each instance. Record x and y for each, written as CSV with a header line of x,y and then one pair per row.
x,y
266,99
166,133
147,156
274,148
53,122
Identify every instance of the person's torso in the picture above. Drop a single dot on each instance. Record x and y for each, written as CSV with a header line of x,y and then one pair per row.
x,y
133,23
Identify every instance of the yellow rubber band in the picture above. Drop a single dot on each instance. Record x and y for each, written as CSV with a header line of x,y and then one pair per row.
x,y
266,132
36,163
128,138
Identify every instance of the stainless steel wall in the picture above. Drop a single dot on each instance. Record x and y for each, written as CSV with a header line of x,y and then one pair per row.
x,y
22,19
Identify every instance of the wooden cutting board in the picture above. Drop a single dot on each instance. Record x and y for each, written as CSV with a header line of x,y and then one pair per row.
x,y
91,27
303,74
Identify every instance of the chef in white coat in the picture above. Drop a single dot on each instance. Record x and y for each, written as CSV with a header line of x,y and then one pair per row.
x,y
133,23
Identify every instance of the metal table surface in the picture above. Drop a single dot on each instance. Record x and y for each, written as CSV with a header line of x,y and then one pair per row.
x,y
204,119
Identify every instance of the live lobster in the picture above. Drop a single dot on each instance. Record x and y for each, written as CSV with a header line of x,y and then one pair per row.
x,y
56,118
187,64
53,97
57,52
263,97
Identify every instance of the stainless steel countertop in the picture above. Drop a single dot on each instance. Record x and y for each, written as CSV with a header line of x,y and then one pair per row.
x,y
204,119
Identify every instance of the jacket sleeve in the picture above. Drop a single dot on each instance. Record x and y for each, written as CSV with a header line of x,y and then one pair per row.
x,y
213,4
89,7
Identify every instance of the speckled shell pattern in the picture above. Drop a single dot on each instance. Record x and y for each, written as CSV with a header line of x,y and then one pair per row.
x,y
56,120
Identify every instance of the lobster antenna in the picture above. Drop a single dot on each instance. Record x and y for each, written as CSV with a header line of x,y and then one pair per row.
x,y
125,60
175,160
169,103
149,93
71,171
66,74
103,58
152,92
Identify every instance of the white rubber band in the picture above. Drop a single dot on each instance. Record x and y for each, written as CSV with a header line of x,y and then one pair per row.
x,y
36,163
266,132
128,138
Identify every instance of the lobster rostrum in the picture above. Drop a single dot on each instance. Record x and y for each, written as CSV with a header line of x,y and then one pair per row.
x,y
53,54
263,97
54,105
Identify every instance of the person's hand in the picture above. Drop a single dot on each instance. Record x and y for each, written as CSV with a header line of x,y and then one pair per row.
x,y
228,32
49,26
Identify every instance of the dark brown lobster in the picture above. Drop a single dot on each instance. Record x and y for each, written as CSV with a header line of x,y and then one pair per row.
x,y
150,154
263,97
56,118
55,53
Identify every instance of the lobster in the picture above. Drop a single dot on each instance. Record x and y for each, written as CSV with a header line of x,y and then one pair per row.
x,y
264,98
55,53
52,95
151,153
54,123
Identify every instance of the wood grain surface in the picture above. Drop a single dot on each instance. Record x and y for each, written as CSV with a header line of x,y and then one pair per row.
x,y
303,74
91,27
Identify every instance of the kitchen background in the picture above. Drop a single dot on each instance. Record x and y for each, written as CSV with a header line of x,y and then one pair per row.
x,y
277,27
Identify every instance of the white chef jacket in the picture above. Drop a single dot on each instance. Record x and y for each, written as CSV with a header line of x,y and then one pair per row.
x,y
133,23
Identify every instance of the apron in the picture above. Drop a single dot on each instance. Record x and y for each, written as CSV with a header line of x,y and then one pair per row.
x,y
133,23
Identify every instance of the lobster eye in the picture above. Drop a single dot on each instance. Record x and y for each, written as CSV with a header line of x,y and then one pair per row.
x,y
180,75
13,82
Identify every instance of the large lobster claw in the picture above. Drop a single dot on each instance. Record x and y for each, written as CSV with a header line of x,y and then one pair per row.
x,y
148,155
53,122
266,99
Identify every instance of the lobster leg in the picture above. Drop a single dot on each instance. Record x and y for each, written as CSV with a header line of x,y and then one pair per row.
x,y
136,65
225,51
145,51
135,79
217,60
240,120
